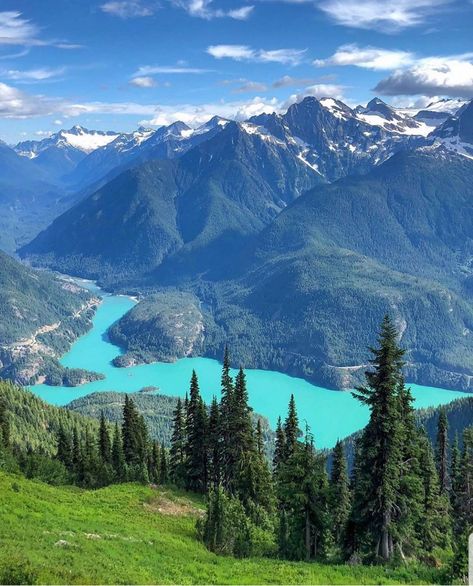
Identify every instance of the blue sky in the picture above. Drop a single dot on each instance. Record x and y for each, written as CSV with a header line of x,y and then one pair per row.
x,y
116,64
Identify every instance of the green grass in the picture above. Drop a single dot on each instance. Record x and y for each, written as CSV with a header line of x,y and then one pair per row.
x,y
129,534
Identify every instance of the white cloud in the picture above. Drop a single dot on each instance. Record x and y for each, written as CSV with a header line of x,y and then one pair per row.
x,y
198,114
432,76
173,69
288,81
250,87
128,8
58,122
319,90
31,75
143,82
15,30
17,104
205,9
367,57
246,53
386,15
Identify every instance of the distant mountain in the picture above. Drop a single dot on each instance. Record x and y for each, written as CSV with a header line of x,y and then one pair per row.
x,y
337,140
40,316
178,217
456,133
127,150
378,113
27,199
437,112
60,153
318,280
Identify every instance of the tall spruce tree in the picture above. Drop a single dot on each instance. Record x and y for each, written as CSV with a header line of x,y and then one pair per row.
x,y
279,447
4,423
64,448
105,447
225,422
177,454
164,468
442,451
378,481
196,443
215,444
339,496
118,456
291,428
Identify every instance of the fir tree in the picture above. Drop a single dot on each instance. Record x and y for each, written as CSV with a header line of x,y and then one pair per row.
x,y
280,446
64,448
339,495
227,463
442,451
118,457
177,460
291,428
377,490
214,444
154,463
196,445
4,424
105,448
164,469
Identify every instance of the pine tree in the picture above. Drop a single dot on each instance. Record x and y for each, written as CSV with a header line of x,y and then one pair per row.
x,y
442,451
196,444
4,424
164,469
105,448
76,456
214,444
377,490
291,428
118,457
227,463
177,460
339,495
434,527
280,447
64,448
154,463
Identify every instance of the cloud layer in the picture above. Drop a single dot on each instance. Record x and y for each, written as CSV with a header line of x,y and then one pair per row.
x,y
247,53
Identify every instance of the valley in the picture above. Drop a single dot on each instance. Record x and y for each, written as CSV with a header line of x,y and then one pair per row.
x,y
333,414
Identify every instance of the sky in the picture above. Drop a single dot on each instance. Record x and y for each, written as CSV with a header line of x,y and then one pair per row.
x,y
119,64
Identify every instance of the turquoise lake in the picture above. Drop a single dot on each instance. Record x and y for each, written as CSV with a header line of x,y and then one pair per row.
x,y
330,414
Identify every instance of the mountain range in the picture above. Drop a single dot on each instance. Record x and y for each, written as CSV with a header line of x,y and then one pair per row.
x,y
293,233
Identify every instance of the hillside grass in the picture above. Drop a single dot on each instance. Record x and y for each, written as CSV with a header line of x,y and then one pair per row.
x,y
131,534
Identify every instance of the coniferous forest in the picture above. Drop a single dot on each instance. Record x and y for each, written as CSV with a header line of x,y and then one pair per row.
x,y
403,500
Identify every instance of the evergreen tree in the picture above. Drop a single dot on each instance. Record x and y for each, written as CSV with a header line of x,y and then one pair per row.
x,y
177,460
302,490
339,495
105,448
130,432
442,451
291,428
280,447
76,456
154,463
64,448
4,423
164,469
227,463
196,445
214,444
434,527
118,457
378,482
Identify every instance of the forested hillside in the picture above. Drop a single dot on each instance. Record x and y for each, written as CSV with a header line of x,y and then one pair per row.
x,y
40,316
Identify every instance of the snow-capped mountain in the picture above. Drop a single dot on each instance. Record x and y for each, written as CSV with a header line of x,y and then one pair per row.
x,y
435,113
378,113
337,140
167,142
61,152
456,133
77,137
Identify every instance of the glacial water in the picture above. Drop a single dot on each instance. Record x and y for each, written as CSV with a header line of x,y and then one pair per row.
x,y
330,414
